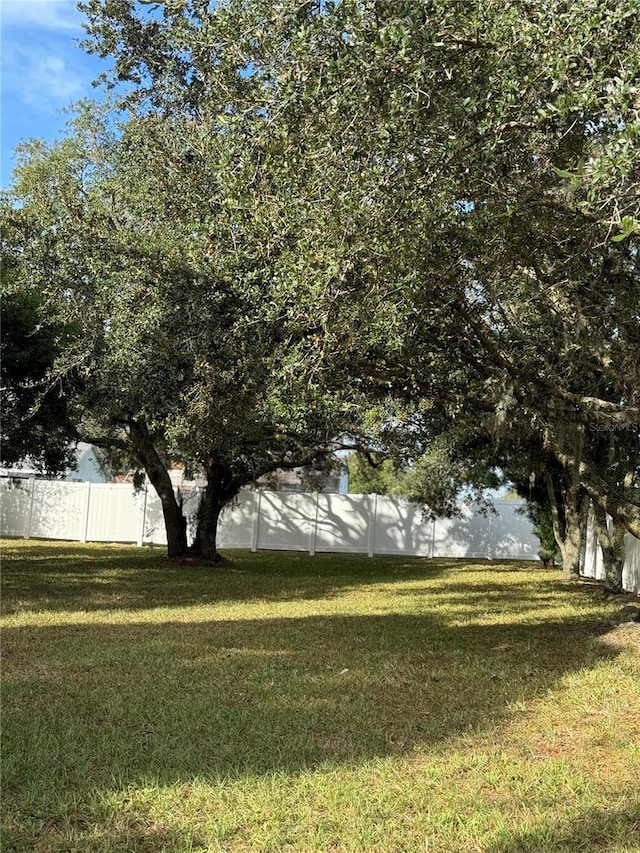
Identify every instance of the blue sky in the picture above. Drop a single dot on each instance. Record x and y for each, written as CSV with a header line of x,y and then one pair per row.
x,y
43,70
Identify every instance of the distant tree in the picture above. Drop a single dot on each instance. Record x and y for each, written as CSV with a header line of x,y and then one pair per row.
x,y
433,463
37,424
531,483
479,452
371,475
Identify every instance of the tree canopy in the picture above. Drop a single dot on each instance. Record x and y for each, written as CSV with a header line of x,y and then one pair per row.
x,y
190,346
426,208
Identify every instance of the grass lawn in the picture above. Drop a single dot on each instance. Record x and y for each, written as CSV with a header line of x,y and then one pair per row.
x,y
334,703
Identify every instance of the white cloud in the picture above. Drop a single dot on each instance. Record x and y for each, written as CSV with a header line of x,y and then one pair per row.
x,y
51,77
42,66
42,75
58,15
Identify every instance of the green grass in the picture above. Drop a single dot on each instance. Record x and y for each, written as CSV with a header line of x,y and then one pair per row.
x,y
334,703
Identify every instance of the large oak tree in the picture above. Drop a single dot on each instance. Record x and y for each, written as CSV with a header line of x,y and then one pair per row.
x,y
150,240
436,201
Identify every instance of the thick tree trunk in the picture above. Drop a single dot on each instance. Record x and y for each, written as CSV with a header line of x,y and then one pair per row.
x,y
619,503
612,543
570,518
221,488
205,544
174,521
569,524
570,550
625,510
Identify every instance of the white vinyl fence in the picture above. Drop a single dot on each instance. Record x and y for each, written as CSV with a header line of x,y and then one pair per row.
x,y
593,567
261,520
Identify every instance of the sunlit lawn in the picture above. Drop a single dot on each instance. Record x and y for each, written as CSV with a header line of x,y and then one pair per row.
x,y
331,703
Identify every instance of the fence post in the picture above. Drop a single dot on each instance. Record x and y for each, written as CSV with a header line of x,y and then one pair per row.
x,y
32,484
313,529
373,517
143,518
255,529
85,521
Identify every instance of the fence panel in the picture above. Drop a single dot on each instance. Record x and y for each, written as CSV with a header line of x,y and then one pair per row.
x,y
592,563
58,510
154,532
505,534
466,536
236,526
15,506
344,523
401,528
631,573
286,521
114,513
512,535
592,566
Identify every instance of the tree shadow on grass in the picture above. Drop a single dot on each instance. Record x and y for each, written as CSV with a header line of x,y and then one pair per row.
x,y
227,697
133,835
611,829
55,577
90,708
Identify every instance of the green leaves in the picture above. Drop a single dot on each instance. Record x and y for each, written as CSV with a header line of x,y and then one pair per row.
x,y
37,415
628,227
309,209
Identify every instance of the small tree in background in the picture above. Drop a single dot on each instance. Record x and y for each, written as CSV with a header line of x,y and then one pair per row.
x,y
37,417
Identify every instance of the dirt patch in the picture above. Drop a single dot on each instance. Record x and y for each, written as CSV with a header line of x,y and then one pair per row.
x,y
624,636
